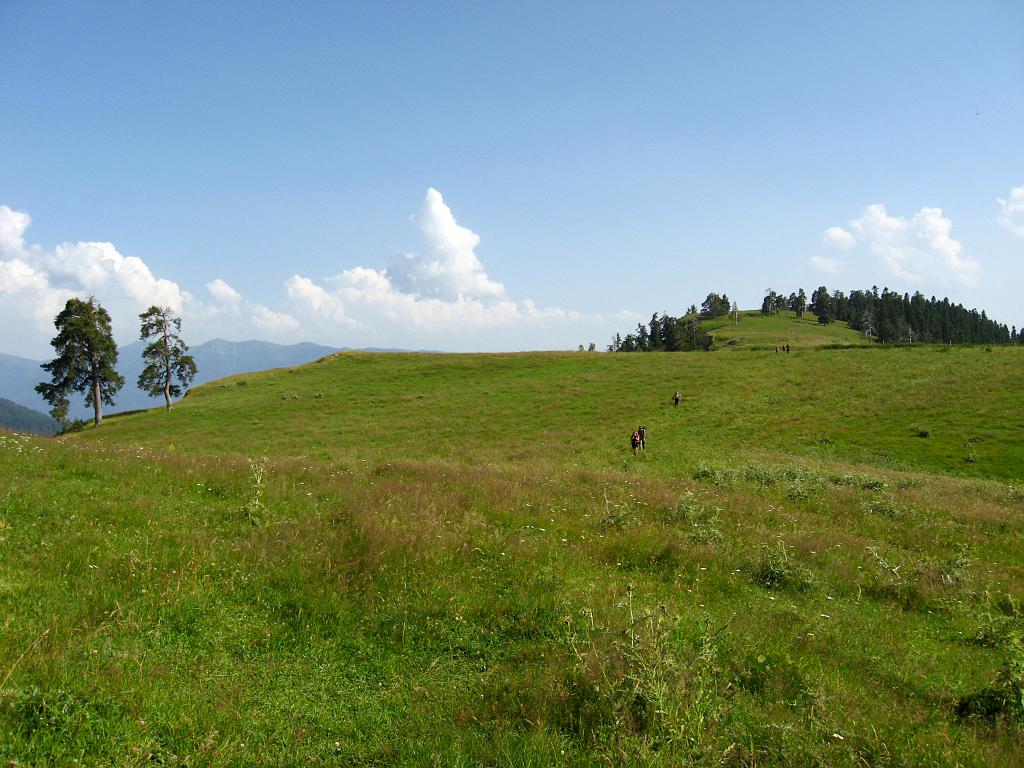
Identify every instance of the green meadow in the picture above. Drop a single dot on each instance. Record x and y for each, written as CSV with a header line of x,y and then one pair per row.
x,y
418,559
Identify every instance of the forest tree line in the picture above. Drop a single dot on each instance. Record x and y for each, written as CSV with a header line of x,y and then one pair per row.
x,y
884,317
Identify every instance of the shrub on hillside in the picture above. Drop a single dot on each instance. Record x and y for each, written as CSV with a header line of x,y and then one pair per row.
x,y
777,569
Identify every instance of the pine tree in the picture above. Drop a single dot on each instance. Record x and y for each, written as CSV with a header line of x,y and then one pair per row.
x,y
165,356
85,362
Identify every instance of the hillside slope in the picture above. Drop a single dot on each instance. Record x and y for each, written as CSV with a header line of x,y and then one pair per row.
x,y
577,409
455,559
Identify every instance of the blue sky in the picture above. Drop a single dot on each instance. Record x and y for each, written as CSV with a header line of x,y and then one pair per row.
x,y
499,176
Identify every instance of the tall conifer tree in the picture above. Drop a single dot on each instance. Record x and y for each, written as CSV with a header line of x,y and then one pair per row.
x,y
85,362
165,356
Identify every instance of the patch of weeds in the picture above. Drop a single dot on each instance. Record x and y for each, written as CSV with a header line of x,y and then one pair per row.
x,y
254,509
955,570
864,482
616,515
651,681
798,490
777,569
779,678
60,722
887,582
1002,700
886,507
713,475
1002,623
997,631
920,585
702,521
768,475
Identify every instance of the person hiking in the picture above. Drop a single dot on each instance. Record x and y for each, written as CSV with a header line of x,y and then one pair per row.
x,y
676,398
635,441
643,438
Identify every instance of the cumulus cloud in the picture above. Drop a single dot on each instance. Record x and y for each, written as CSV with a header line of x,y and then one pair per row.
x,y
440,297
271,321
12,230
35,283
918,249
839,238
448,268
826,264
223,292
1011,214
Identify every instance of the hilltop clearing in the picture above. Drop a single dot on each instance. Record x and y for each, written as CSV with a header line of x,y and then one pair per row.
x,y
758,331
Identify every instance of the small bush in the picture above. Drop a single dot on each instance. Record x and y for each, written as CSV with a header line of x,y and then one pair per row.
x,y
702,521
886,507
711,475
778,570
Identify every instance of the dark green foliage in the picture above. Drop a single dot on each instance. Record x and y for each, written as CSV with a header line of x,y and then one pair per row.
x,y
715,305
21,419
884,316
86,359
778,570
168,369
666,334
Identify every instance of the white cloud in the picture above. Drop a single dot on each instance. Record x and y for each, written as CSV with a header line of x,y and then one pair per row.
x,y
36,282
274,322
1011,214
223,292
839,238
918,249
12,230
826,264
448,269
441,298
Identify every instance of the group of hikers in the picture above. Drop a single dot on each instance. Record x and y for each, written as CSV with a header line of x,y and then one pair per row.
x,y
781,348
639,437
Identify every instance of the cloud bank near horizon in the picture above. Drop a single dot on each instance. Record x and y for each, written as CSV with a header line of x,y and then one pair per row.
x,y
920,249
438,298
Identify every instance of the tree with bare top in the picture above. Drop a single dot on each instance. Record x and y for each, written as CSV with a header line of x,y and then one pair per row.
x,y
165,356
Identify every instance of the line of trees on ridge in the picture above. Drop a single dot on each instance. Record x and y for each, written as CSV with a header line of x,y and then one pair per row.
x,y
884,317
86,360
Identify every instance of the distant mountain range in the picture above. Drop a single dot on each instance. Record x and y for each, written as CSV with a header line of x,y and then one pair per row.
x,y
214,359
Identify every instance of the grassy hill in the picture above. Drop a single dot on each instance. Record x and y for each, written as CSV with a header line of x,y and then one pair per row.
x,y
757,331
456,560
